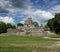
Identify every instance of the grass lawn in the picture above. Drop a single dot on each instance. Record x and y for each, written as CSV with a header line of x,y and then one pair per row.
x,y
28,44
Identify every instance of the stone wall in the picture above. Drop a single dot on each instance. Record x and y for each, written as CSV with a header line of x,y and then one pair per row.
x,y
27,31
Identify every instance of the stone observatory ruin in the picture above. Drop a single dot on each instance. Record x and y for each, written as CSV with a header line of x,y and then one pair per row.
x,y
28,29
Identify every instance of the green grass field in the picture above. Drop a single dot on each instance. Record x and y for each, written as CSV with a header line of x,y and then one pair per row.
x,y
28,44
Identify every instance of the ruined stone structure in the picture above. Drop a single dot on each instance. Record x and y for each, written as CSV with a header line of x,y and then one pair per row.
x,y
28,29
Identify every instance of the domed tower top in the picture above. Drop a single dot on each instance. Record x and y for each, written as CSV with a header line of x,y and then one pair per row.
x,y
28,22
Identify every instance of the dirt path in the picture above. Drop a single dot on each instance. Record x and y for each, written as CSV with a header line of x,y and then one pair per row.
x,y
52,38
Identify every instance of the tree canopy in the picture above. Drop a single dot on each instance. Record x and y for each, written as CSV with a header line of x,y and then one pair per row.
x,y
35,24
20,24
54,23
8,25
4,27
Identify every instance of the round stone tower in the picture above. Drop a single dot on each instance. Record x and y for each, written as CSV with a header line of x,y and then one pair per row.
x,y
28,22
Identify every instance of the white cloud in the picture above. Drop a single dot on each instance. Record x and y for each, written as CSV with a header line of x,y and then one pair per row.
x,y
37,14
43,14
55,9
22,21
5,3
7,20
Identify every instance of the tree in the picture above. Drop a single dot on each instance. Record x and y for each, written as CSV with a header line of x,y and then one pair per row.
x,y
35,24
8,25
3,27
13,26
20,24
54,23
50,24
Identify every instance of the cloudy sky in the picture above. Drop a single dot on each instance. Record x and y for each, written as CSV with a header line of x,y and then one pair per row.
x,y
15,11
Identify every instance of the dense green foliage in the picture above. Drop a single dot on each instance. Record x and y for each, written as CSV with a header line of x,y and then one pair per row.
x,y
35,24
20,24
8,25
54,23
4,27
